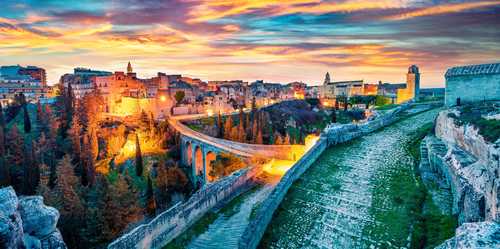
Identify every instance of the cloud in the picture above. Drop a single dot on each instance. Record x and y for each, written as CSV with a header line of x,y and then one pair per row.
x,y
442,9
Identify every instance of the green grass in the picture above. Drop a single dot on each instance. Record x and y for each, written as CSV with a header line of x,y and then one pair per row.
x,y
472,114
412,210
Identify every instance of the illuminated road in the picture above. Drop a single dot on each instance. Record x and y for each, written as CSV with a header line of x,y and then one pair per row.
x,y
342,200
286,152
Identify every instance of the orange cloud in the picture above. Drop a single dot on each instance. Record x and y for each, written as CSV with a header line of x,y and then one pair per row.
x,y
442,9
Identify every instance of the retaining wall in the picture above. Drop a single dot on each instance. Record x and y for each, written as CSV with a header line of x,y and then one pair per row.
x,y
172,222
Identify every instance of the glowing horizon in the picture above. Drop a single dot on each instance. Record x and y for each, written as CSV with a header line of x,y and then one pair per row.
x,y
277,41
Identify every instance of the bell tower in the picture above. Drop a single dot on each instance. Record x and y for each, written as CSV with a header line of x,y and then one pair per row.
x,y
129,68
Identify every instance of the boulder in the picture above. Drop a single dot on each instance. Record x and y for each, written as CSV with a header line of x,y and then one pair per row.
x,y
11,226
27,223
38,220
478,235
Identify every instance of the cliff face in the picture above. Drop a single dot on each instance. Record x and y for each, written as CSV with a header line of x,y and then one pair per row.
x,y
26,222
471,166
474,235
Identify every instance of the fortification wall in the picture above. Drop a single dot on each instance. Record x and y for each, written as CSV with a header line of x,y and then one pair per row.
x,y
172,222
472,88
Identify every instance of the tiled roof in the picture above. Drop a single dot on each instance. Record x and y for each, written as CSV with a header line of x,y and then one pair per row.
x,y
493,68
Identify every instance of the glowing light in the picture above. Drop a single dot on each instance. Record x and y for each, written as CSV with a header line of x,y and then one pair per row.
x,y
210,112
277,167
163,98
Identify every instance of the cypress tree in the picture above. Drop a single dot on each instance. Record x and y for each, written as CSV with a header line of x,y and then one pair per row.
x,y
27,121
220,126
138,157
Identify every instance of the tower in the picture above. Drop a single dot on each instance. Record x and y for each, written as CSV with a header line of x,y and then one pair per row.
x,y
413,81
129,68
327,79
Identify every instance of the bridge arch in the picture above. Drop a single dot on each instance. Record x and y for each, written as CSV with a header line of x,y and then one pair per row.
x,y
198,161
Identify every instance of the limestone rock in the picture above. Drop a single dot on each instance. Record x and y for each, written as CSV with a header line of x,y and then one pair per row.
x,y
27,223
479,235
11,226
38,220
31,242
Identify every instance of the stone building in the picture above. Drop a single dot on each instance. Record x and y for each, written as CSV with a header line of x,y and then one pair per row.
x,y
30,81
472,83
82,80
124,94
412,89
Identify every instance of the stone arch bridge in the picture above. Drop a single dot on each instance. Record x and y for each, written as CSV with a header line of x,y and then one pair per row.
x,y
198,150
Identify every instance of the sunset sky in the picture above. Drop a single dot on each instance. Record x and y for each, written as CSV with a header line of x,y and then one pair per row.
x,y
277,41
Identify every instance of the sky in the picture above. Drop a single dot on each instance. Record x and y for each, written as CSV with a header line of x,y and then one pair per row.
x,y
274,40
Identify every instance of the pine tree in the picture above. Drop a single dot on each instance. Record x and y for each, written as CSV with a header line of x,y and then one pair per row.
x,y
122,207
228,125
259,138
15,146
150,199
241,128
277,139
27,121
254,128
286,141
68,202
138,157
75,137
94,144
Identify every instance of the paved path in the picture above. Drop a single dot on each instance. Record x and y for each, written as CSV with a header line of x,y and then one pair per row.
x,y
225,231
332,204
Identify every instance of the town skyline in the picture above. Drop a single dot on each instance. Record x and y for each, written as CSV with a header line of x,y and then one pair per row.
x,y
268,40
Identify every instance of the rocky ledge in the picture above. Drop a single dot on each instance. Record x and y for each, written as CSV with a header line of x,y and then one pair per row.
x,y
476,235
26,222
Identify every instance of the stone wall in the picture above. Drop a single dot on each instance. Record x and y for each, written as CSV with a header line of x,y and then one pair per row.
x,y
331,136
469,86
172,222
469,165
26,222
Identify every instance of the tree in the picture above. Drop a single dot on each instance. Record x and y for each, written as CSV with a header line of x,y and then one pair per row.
x,y
138,157
259,139
150,199
224,165
277,139
27,122
228,125
68,202
334,116
122,207
241,128
286,141
254,105
220,127
179,96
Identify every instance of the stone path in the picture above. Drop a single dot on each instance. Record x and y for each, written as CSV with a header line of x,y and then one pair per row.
x,y
225,231
331,205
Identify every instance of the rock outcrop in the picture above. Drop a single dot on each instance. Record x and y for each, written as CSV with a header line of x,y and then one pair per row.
x,y
484,235
472,167
27,223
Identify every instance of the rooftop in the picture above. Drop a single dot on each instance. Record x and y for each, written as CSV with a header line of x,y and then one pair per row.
x,y
493,68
